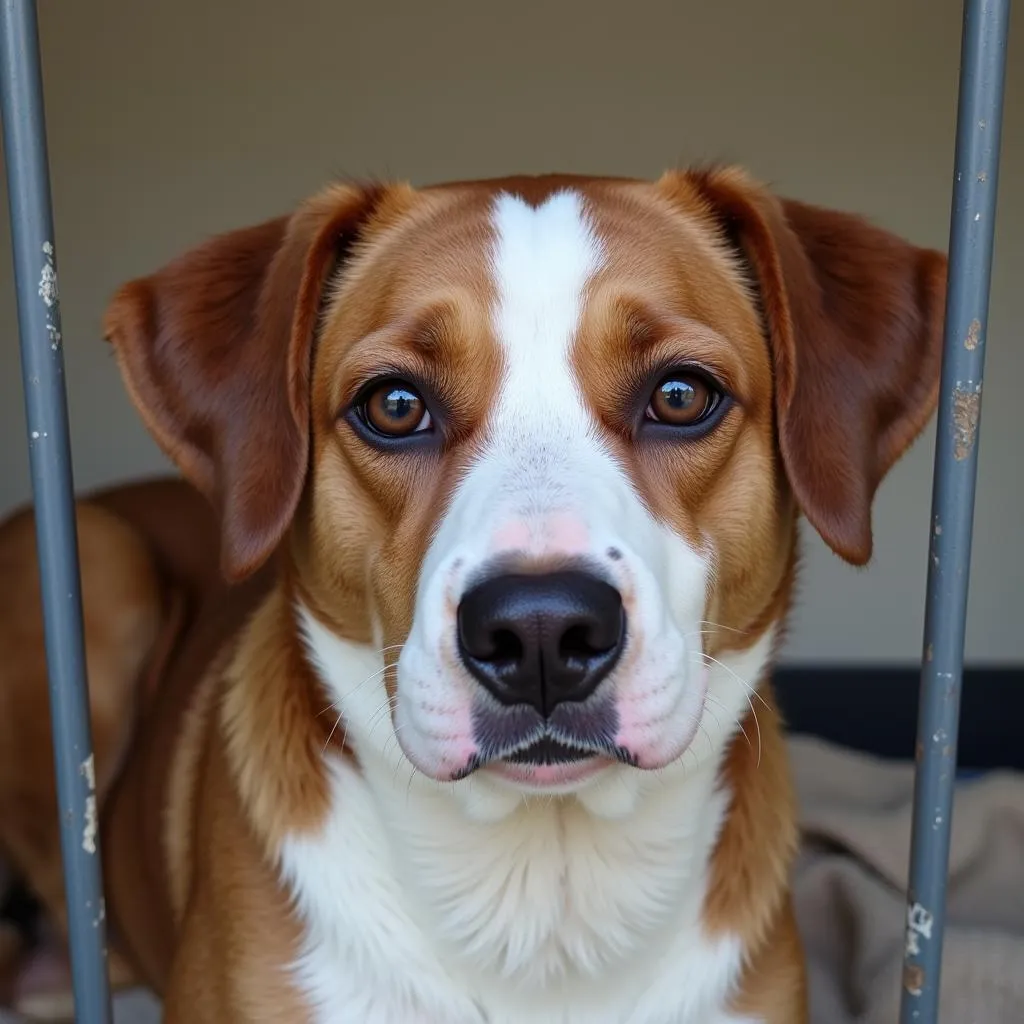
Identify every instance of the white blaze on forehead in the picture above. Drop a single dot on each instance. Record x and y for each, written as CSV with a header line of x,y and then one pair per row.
x,y
543,259
530,488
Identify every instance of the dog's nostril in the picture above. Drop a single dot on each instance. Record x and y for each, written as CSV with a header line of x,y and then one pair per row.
x,y
506,649
579,644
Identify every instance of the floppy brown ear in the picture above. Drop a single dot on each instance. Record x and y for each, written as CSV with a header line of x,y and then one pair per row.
x,y
854,319
215,350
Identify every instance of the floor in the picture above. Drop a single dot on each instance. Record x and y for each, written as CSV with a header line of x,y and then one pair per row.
x,y
129,1008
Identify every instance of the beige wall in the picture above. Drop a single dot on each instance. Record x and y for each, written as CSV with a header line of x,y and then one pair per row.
x,y
170,120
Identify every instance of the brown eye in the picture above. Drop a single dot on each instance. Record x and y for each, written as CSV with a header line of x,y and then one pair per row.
x,y
681,400
396,410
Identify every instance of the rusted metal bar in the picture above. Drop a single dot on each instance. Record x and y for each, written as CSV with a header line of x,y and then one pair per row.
x,y
972,231
42,365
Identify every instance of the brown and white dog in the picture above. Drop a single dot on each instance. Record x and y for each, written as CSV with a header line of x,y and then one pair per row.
x,y
506,478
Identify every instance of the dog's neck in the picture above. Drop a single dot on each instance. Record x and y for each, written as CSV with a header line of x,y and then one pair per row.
x,y
533,889
478,890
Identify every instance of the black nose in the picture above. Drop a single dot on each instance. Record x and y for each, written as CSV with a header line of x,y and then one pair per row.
x,y
541,640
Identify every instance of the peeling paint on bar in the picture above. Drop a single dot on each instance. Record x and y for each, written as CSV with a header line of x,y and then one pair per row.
x,y
89,773
913,980
48,291
974,331
966,413
91,827
919,926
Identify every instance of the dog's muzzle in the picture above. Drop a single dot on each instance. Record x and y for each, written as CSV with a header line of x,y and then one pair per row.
x,y
540,646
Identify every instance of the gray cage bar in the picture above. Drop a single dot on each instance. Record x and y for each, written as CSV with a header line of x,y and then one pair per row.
x,y
972,228
42,367
972,233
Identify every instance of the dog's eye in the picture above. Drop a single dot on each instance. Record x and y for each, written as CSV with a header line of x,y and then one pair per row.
x,y
682,400
395,409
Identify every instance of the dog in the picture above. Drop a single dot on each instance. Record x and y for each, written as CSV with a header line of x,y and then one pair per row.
x,y
438,690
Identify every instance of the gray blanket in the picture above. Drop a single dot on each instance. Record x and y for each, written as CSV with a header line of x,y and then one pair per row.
x,y
850,882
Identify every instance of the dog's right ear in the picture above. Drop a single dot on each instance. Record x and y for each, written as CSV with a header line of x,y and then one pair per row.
x,y
216,350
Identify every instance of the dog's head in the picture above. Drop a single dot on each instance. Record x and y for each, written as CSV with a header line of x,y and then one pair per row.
x,y
540,443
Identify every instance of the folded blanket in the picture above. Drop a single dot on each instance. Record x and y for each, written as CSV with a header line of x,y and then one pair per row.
x,y
850,883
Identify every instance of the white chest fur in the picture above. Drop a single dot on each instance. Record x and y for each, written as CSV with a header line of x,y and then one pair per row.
x,y
416,912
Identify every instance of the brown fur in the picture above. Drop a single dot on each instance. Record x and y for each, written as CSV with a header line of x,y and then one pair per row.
x,y
124,607
241,357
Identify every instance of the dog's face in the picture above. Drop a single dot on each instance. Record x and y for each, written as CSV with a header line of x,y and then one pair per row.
x,y
555,414
541,443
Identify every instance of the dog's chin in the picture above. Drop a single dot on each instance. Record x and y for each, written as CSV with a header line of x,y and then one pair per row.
x,y
546,766
605,785
562,779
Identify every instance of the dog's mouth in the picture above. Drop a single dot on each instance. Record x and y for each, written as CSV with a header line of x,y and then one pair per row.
x,y
553,766
551,751
548,750
574,742
550,763
550,777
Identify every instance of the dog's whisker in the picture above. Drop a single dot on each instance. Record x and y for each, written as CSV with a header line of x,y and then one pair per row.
x,y
355,689
335,705
389,744
330,735
750,689
400,762
707,736
736,721
749,692
718,721
721,626
390,647
373,722
746,736
757,726
382,713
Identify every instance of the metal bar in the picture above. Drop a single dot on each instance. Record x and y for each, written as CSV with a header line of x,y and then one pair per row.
x,y
42,365
972,231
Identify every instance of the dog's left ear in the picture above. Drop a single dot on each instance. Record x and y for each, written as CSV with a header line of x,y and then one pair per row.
x,y
854,319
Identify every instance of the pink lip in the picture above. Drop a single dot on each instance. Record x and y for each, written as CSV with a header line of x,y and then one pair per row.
x,y
549,776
